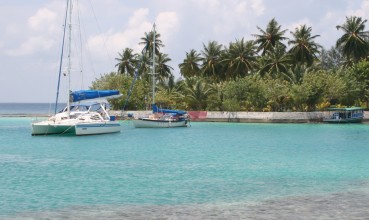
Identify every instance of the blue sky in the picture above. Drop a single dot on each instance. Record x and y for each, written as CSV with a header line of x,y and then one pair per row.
x,y
30,39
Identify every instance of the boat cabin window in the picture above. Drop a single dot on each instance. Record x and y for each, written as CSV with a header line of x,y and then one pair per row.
x,y
76,108
95,108
79,108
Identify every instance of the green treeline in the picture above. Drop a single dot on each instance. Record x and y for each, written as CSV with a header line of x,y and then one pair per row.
x,y
268,73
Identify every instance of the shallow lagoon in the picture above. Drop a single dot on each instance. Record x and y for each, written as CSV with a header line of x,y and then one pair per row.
x,y
210,170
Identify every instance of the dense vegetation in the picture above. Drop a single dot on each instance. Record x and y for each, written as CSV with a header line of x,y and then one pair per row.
x,y
268,73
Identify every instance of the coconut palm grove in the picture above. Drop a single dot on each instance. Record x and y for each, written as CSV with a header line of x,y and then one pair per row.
x,y
263,72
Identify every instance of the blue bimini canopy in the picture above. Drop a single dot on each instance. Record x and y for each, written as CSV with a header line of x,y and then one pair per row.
x,y
155,109
82,95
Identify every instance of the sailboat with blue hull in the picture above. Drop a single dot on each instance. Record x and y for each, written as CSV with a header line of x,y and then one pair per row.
x,y
87,111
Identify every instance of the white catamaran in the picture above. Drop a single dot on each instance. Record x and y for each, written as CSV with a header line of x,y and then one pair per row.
x,y
160,118
86,112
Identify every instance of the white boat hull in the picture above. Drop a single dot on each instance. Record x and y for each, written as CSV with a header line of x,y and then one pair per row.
x,y
47,128
152,123
97,128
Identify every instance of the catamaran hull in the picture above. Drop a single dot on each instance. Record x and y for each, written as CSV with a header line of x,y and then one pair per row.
x,y
78,129
147,123
46,129
97,128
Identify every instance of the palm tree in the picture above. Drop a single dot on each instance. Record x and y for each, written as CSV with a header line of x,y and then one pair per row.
x,y
211,59
330,59
354,41
145,66
304,50
169,85
197,92
276,62
127,62
152,45
216,96
163,70
190,66
169,92
240,58
148,43
296,73
272,36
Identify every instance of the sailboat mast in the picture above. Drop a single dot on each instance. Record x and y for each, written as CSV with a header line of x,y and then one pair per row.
x,y
61,57
69,55
153,66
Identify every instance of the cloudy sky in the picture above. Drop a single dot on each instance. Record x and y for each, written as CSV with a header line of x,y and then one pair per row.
x,y
31,33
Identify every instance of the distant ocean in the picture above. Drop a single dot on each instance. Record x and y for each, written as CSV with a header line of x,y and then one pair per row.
x,y
25,109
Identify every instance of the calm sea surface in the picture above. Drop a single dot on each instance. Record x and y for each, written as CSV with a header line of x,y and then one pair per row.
x,y
10,109
207,171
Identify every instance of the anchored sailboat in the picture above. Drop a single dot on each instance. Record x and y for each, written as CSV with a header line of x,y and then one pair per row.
x,y
86,112
160,118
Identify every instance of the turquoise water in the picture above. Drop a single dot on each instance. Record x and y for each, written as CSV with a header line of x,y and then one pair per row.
x,y
210,170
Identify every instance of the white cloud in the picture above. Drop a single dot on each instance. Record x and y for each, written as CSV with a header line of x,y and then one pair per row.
x,y
138,17
230,17
138,24
43,19
39,35
129,37
168,25
292,27
258,7
12,30
223,19
32,45
363,11
232,8
208,5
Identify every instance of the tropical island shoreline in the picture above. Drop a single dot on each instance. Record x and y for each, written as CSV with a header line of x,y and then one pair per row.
x,y
250,117
218,116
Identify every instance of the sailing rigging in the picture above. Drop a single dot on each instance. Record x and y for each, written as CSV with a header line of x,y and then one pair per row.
x,y
86,112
